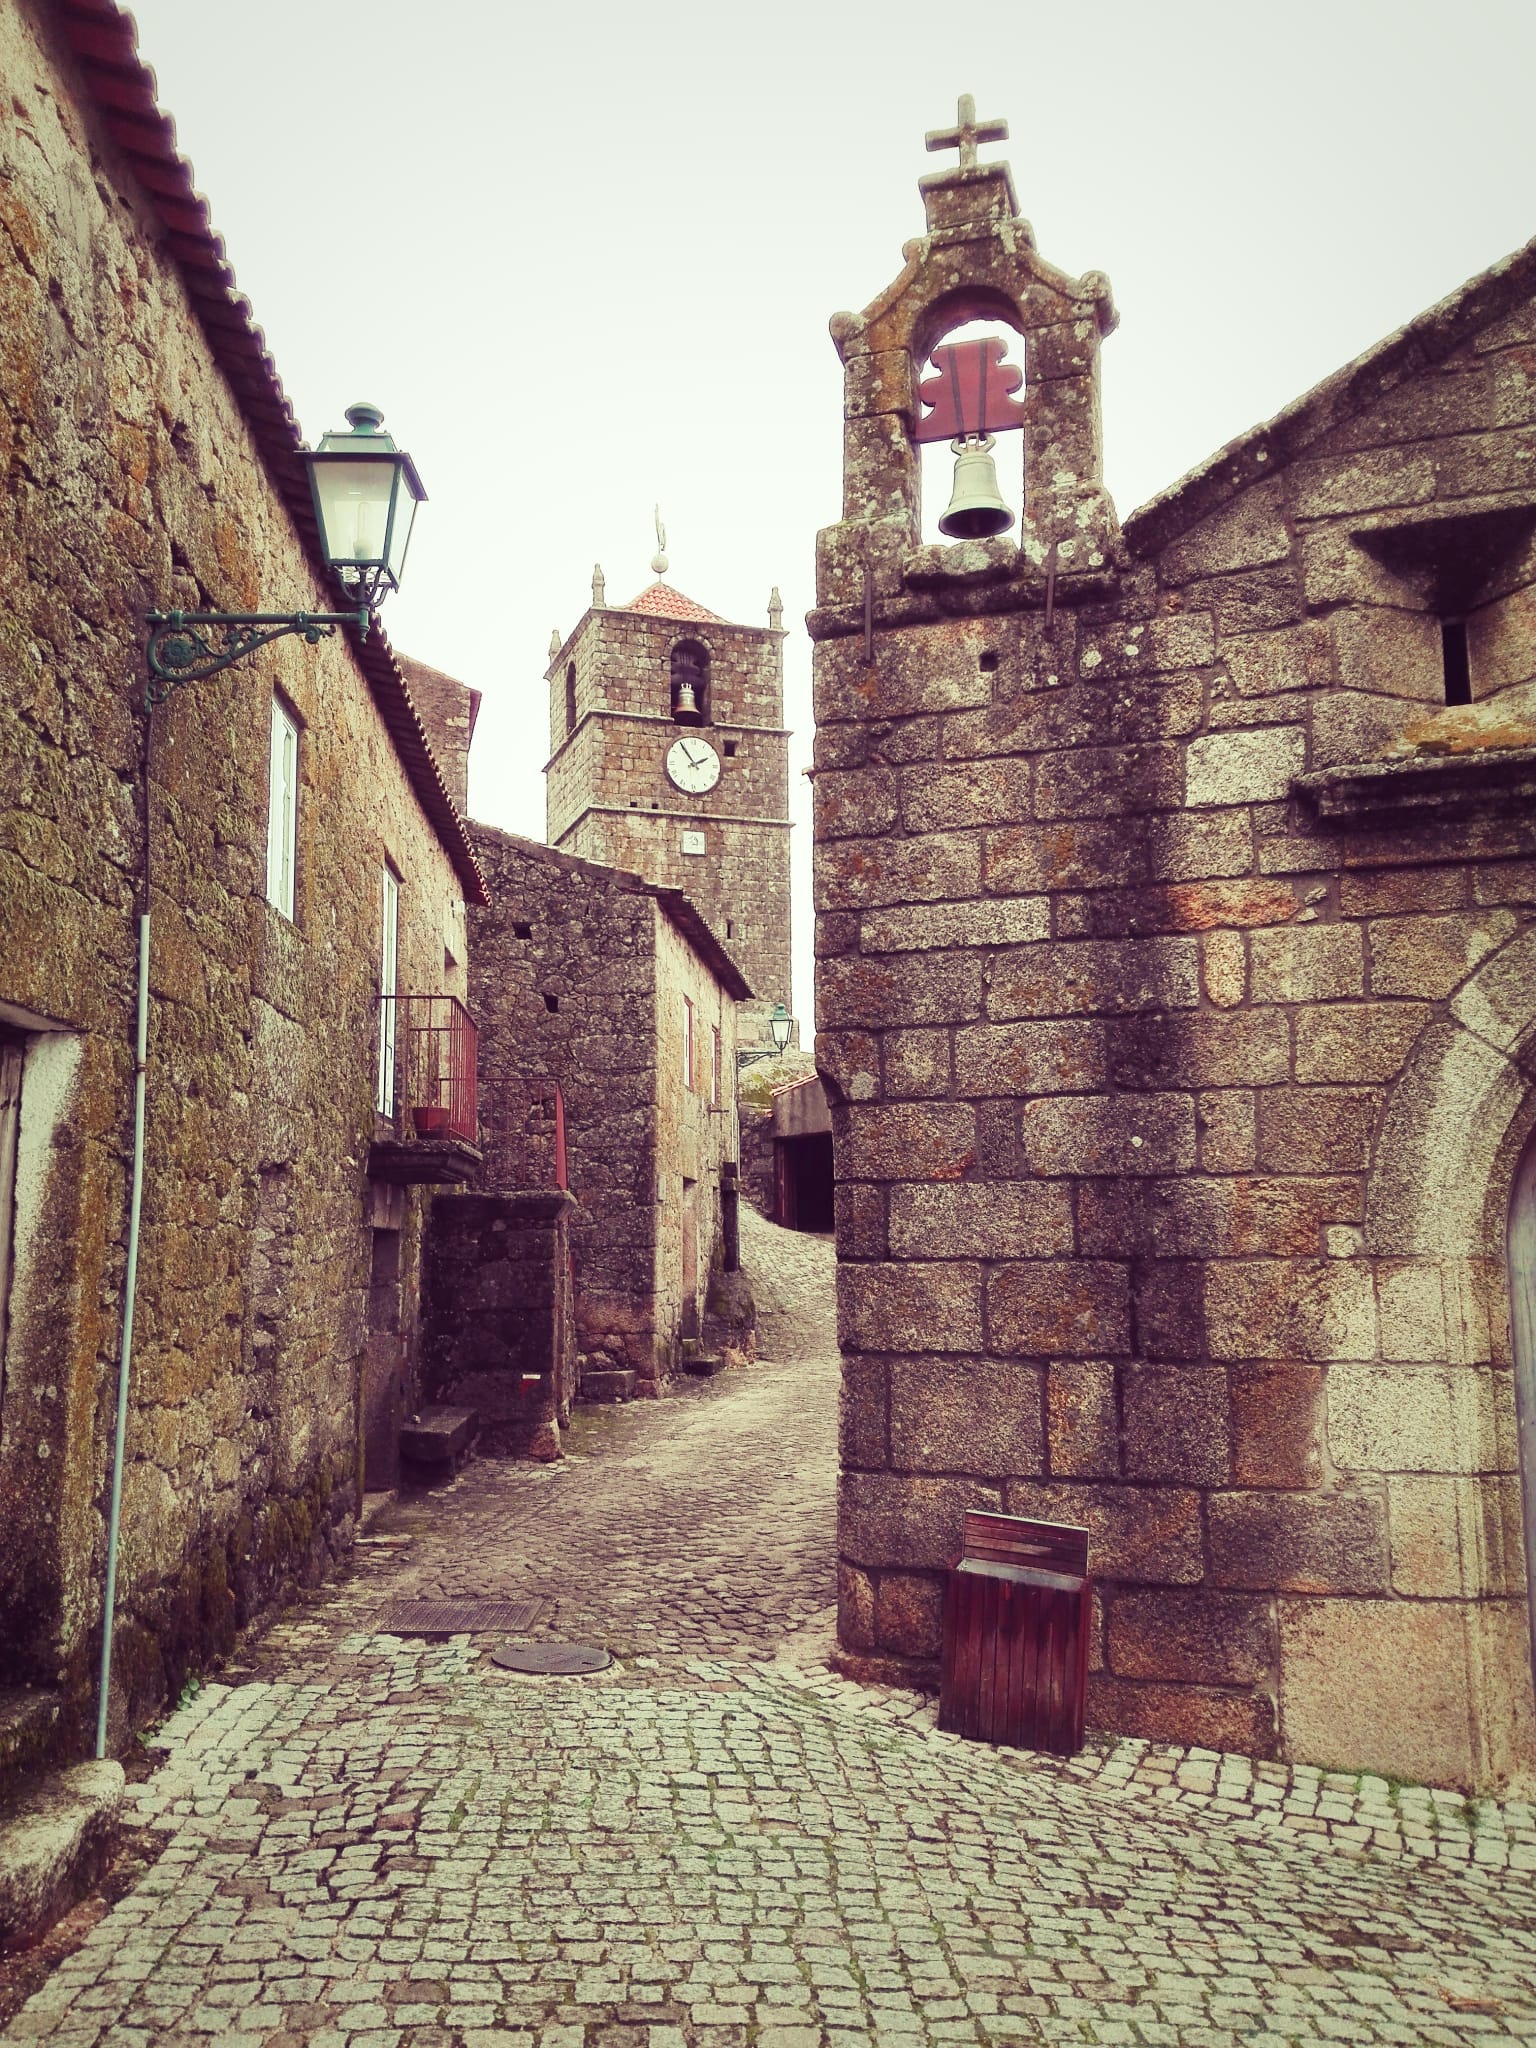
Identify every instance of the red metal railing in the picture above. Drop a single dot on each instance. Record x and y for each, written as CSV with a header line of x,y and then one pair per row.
x,y
427,1082
522,1131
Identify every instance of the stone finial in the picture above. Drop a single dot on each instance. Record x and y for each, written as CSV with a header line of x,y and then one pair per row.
x,y
966,133
555,642
599,588
775,610
659,563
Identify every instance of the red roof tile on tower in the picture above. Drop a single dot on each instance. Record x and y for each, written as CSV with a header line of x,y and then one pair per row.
x,y
661,601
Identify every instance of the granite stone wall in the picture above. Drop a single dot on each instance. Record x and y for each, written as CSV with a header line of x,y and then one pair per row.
x,y
1176,980
132,481
579,975
498,1328
609,798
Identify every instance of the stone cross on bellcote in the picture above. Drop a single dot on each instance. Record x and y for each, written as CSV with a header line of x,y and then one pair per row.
x,y
966,133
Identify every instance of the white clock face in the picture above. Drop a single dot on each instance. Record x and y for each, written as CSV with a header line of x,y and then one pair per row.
x,y
693,764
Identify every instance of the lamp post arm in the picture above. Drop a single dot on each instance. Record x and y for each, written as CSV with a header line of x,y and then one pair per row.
x,y
184,647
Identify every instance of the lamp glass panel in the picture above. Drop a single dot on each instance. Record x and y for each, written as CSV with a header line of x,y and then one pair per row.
x,y
405,514
354,504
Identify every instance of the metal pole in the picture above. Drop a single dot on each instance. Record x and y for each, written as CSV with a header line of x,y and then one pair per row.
x,y
125,1354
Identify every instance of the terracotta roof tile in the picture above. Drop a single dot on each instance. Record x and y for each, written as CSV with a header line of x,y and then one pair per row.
x,y
661,601
104,40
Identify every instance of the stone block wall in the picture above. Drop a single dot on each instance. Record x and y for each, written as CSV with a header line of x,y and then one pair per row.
x,y
695,1128
134,481
448,710
579,973
562,975
498,1328
1176,970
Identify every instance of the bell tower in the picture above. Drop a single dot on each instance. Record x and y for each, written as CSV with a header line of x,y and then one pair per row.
x,y
669,757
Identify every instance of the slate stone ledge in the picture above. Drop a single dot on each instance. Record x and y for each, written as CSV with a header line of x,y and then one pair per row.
x,y
424,1162
940,592
1439,786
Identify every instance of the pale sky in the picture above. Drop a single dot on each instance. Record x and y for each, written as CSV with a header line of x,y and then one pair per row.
x,y
584,256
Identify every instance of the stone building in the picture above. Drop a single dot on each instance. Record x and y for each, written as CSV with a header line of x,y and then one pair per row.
x,y
300,853
1177,996
669,759
618,991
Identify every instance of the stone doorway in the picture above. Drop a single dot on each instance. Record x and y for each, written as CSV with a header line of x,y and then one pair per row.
x,y
803,1182
385,1360
1521,1243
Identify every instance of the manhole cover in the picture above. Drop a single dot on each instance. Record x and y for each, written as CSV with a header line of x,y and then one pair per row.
x,y
550,1659
458,1617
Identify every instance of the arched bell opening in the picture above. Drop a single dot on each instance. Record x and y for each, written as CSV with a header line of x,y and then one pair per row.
x,y
690,683
969,483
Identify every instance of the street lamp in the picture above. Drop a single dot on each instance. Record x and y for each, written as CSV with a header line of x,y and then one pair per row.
x,y
781,1029
365,494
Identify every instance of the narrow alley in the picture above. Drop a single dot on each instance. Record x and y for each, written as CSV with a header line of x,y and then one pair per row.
x,y
376,1840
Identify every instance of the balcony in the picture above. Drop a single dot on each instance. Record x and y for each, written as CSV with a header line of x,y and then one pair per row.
x,y
426,1096
522,1133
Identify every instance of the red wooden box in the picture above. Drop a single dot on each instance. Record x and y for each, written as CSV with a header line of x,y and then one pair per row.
x,y
1017,1611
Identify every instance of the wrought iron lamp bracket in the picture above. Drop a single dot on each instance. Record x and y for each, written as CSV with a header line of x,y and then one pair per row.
x,y
184,647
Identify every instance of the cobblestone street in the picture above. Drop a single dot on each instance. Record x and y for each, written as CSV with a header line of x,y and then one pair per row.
x,y
380,1841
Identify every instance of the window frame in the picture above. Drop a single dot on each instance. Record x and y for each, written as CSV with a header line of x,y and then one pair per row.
x,y
688,1044
389,988
283,808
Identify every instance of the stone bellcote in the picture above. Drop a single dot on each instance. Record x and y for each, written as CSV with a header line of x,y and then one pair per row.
x,y
977,261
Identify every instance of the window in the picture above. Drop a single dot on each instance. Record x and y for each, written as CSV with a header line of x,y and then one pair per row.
x,y
690,683
282,809
687,1043
570,699
1455,662
389,959
714,1070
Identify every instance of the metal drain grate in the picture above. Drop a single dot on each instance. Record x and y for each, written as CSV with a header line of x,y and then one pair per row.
x,y
459,1617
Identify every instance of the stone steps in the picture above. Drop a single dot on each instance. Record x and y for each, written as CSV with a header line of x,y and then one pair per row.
x,y
607,1387
54,1844
435,1443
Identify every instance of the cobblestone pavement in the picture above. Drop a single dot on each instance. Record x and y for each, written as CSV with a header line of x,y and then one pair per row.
x,y
380,1842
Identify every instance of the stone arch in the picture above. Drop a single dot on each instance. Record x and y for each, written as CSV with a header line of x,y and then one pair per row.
x,y
1458,1121
1458,1118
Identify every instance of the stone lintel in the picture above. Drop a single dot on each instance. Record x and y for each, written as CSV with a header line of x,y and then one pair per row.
x,y
1436,786
423,1162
